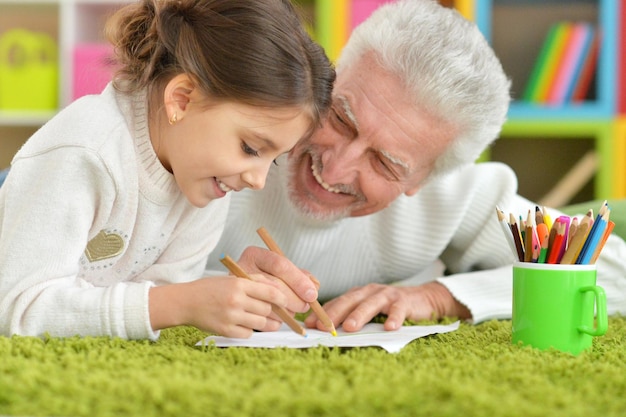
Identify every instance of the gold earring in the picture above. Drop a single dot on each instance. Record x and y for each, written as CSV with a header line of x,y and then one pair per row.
x,y
173,119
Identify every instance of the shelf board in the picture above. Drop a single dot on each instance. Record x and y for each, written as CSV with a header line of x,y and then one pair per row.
x,y
575,111
25,118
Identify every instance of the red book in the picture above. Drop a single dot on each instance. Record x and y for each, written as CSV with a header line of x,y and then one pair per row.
x,y
621,64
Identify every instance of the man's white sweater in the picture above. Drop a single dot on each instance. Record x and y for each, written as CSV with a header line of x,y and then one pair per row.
x,y
90,220
451,220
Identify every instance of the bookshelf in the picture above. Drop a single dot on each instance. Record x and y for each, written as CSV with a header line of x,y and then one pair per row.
x,y
72,25
516,30
548,138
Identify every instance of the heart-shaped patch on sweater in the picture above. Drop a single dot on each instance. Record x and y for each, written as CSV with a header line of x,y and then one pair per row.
x,y
104,245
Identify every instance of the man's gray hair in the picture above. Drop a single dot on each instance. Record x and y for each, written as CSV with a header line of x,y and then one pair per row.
x,y
448,65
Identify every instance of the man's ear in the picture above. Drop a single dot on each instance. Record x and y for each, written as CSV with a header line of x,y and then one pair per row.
x,y
177,96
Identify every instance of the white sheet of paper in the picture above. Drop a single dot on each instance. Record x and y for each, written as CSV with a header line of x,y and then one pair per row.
x,y
372,334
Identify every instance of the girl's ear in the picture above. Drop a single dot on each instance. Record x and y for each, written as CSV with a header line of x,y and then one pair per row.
x,y
177,96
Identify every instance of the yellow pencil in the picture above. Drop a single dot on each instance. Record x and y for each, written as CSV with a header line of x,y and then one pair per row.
x,y
234,268
546,218
315,305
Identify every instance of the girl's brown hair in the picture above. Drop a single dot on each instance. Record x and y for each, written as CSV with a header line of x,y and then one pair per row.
x,y
251,51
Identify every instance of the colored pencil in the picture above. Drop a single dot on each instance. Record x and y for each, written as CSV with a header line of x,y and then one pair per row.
x,y
609,228
517,237
593,239
315,305
544,236
236,270
506,229
531,241
538,216
576,243
546,217
557,248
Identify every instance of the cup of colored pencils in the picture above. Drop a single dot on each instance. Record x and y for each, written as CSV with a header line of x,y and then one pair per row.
x,y
556,302
567,240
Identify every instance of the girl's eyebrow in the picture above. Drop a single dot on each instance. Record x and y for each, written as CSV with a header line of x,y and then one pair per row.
x,y
267,141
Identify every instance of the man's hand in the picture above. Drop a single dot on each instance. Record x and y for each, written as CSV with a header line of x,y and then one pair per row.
x,y
360,305
295,283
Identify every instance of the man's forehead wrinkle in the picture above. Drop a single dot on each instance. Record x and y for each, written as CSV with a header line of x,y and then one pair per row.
x,y
378,129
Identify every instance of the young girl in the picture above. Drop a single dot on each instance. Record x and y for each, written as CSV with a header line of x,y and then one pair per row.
x,y
110,210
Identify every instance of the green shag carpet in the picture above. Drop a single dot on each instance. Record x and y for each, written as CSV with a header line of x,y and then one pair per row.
x,y
474,371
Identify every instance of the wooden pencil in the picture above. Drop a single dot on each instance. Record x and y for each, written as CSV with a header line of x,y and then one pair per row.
x,y
517,237
238,271
577,241
538,216
573,226
508,232
315,305
529,237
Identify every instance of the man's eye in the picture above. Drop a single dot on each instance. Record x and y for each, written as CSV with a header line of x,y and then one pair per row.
x,y
339,119
343,124
385,170
248,150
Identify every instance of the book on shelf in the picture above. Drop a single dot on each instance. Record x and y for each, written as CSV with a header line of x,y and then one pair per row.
x,y
565,65
621,65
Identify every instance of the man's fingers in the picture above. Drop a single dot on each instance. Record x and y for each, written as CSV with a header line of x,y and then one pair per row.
x,y
395,317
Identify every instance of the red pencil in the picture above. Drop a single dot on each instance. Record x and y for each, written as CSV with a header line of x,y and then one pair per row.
x,y
557,248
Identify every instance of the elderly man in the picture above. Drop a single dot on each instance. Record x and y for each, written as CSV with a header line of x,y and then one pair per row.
x,y
387,188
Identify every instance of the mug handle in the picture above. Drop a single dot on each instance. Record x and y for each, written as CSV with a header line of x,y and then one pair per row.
x,y
601,318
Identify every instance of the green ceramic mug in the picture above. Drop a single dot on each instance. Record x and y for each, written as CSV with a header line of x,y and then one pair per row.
x,y
553,306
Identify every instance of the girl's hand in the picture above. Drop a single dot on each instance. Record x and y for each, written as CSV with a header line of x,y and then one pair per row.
x,y
225,305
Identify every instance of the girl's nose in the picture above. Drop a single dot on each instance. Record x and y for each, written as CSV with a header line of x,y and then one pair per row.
x,y
255,177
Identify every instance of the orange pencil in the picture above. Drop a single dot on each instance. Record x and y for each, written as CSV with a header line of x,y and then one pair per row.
x,y
280,312
609,228
315,305
544,237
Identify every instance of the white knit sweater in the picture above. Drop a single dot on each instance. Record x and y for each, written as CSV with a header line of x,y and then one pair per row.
x,y
90,220
451,220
